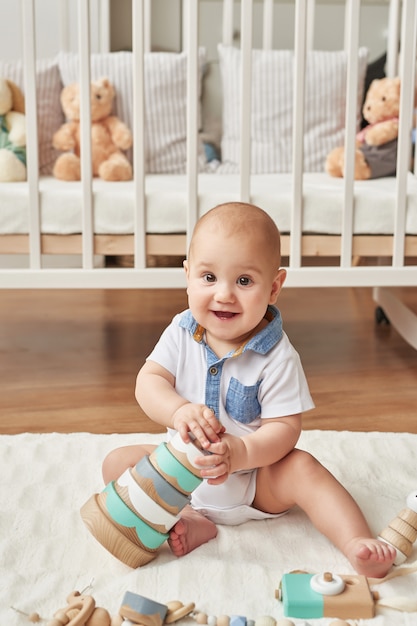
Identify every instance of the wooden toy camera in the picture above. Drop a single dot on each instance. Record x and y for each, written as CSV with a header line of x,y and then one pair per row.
x,y
326,595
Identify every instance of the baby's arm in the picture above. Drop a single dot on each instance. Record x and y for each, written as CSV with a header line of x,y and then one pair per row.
x,y
265,446
156,394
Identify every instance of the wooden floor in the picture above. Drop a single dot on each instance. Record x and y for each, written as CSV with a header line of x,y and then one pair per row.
x,y
68,359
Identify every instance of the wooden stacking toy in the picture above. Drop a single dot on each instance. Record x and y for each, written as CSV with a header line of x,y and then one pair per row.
x,y
401,532
132,516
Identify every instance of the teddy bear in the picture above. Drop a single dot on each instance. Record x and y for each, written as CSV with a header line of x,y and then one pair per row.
x,y
12,133
109,135
376,143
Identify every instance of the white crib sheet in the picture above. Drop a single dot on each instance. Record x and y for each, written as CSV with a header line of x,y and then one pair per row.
x,y
61,203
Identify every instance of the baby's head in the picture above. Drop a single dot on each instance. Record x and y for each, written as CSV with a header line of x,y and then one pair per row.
x,y
233,272
245,223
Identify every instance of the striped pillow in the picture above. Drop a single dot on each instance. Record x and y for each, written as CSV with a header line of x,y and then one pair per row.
x,y
272,107
165,101
49,112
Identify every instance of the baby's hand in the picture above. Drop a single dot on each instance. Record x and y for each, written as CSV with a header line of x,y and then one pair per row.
x,y
217,466
199,420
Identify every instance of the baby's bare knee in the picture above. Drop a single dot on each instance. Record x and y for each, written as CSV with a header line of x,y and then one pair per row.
x,y
112,465
303,463
120,459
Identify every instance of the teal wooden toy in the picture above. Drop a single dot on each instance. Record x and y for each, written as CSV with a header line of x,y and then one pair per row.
x,y
311,596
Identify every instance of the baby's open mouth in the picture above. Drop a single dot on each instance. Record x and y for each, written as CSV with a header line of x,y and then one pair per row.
x,y
224,315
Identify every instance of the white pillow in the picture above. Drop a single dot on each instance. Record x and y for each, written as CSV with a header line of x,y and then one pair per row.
x,y
272,107
49,112
165,101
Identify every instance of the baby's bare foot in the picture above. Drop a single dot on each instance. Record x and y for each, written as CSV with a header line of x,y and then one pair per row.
x,y
370,557
190,532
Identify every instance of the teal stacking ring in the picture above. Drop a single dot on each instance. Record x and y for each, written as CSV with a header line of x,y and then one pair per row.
x,y
121,514
171,466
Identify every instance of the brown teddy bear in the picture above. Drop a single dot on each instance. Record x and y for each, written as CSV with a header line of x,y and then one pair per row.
x,y
376,144
109,135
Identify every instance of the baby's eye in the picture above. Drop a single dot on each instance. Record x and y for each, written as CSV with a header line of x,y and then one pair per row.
x,y
209,278
244,281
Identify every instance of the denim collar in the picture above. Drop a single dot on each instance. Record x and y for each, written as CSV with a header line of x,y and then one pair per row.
x,y
262,342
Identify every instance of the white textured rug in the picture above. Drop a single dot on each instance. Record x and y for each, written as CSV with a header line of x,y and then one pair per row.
x,y
46,551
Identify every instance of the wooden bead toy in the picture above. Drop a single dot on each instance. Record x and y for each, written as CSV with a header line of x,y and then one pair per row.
x,y
132,516
81,610
146,612
177,610
326,595
225,620
401,532
31,617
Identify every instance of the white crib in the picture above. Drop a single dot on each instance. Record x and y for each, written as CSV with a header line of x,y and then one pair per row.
x,y
336,232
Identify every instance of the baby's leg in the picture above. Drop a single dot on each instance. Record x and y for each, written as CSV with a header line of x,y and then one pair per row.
x,y
299,479
120,459
190,532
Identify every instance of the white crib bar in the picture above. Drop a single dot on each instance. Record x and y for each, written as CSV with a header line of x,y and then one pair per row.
x,y
311,20
268,24
101,8
29,62
394,20
141,19
352,47
191,33
227,22
407,66
147,20
300,52
85,132
246,98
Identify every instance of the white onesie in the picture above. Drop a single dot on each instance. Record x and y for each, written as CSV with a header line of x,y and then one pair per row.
x,y
263,380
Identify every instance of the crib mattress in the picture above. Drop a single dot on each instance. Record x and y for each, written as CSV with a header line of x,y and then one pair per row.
x,y
166,196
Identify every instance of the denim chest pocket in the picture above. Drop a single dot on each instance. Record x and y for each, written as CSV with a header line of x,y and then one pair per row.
x,y
242,402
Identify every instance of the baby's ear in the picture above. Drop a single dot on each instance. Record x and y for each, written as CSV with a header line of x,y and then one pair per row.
x,y
277,285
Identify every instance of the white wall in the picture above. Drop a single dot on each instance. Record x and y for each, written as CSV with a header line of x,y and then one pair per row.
x,y
166,28
329,25
166,25
56,21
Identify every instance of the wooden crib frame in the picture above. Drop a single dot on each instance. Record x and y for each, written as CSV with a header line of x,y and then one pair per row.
x,y
305,253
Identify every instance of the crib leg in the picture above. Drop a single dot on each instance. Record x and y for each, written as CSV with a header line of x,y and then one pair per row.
x,y
380,316
399,315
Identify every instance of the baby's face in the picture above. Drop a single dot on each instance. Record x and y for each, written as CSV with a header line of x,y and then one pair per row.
x,y
231,280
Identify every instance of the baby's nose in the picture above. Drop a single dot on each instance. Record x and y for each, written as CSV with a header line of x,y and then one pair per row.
x,y
224,292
